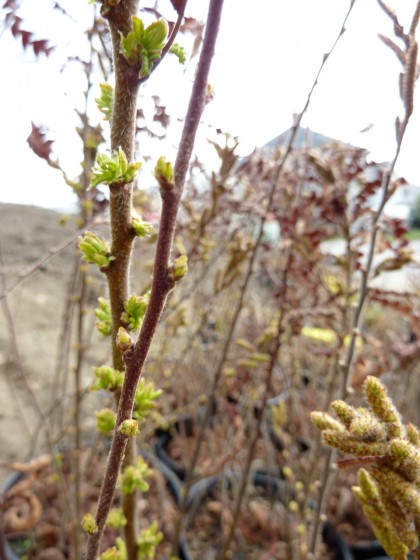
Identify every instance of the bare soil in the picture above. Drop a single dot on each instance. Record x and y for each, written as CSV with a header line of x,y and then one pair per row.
x,y
31,320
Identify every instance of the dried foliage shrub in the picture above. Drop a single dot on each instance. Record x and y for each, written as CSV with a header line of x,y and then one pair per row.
x,y
266,326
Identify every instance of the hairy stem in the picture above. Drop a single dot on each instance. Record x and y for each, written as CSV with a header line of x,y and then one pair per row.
x,y
162,281
123,127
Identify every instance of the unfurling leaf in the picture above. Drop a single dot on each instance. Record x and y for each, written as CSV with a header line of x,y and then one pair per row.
x,y
95,250
103,314
105,420
107,378
116,518
145,398
134,310
148,541
179,52
143,46
134,478
113,170
117,552
142,228
105,101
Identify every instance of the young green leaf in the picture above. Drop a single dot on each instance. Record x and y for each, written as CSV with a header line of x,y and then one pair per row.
x,y
148,541
105,101
134,310
145,398
103,314
134,477
113,170
179,52
95,250
107,378
142,228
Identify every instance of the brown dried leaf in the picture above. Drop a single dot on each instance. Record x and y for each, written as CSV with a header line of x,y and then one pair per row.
x,y
41,47
178,5
23,513
38,143
15,26
26,38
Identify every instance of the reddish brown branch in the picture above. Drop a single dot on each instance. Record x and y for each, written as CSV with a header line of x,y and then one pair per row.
x,y
162,282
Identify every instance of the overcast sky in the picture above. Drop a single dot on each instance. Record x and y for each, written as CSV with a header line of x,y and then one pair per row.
x,y
267,56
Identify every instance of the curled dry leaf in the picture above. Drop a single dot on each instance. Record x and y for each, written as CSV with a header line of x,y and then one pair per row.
x,y
39,144
35,465
24,510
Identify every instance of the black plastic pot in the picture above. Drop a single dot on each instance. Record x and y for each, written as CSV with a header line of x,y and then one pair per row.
x,y
278,489
206,487
184,425
369,551
336,543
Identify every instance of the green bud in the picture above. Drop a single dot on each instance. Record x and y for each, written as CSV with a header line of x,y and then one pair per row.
x,y
138,28
413,434
146,63
129,428
113,170
110,554
345,412
103,314
130,47
105,101
149,540
383,407
145,398
118,552
164,173
142,228
134,478
116,518
180,267
89,524
323,421
248,363
368,486
287,472
107,378
260,357
368,427
243,343
179,52
134,311
293,506
347,443
155,35
123,340
95,250
105,420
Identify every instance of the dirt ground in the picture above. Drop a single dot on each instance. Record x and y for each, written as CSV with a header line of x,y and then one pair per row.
x,y
31,318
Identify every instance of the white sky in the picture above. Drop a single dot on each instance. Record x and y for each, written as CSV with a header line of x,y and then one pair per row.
x,y
267,56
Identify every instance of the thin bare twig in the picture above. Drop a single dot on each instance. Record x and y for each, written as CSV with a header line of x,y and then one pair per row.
x,y
25,274
346,367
